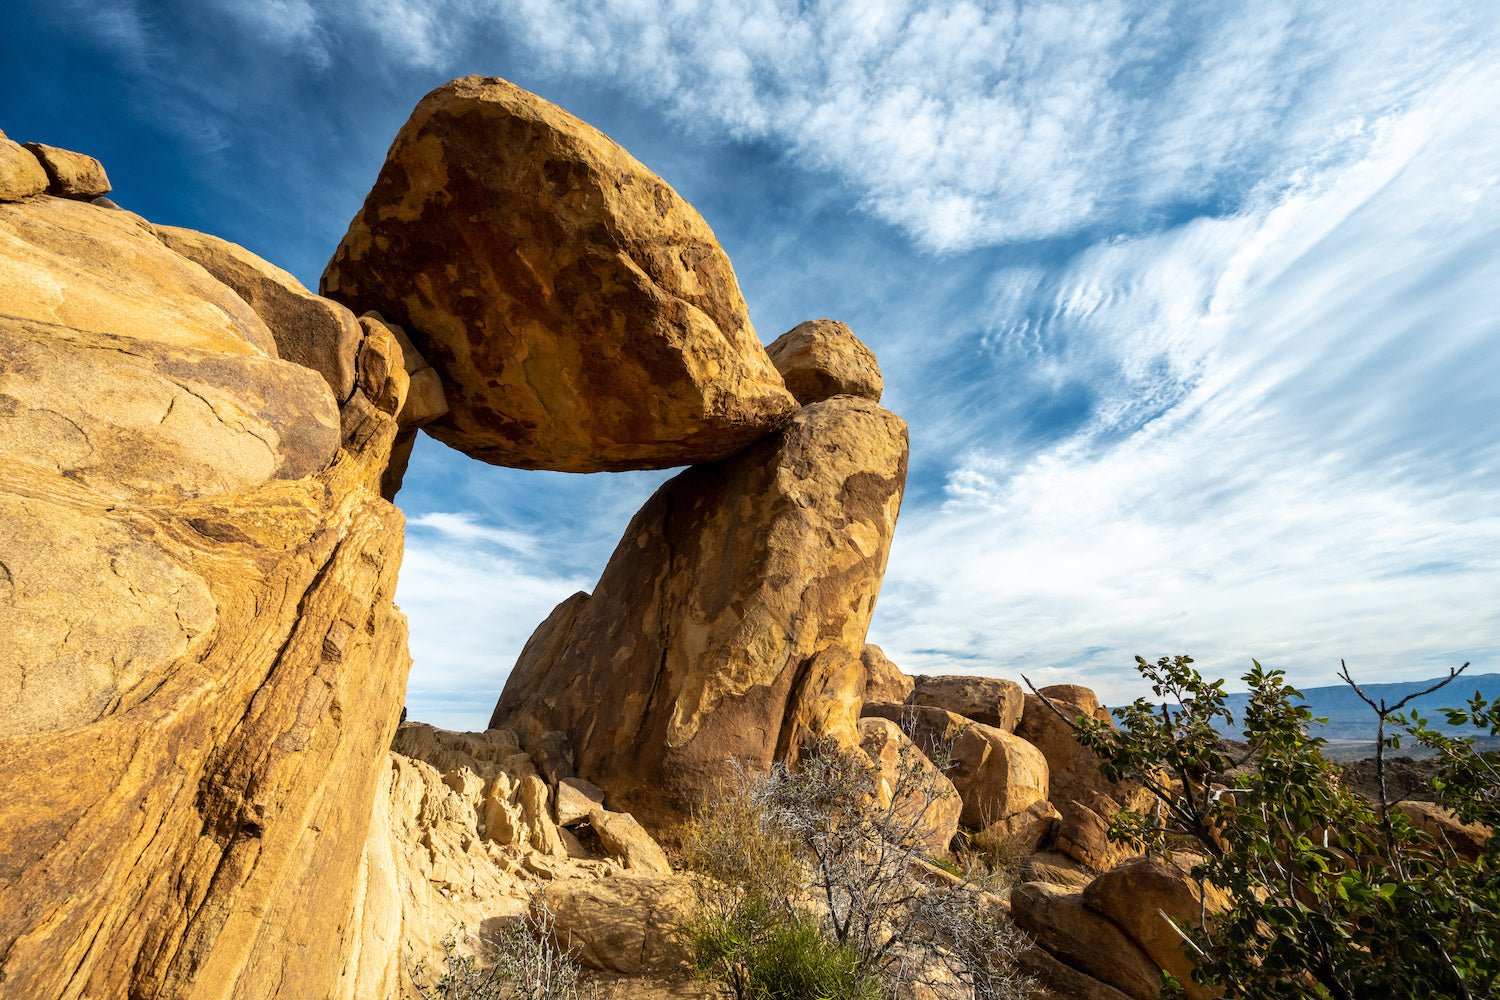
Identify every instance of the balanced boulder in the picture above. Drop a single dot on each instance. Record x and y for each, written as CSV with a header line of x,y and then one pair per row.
x,y
582,315
823,358
70,174
707,638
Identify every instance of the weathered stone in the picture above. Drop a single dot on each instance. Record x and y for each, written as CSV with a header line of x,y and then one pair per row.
x,y
70,174
21,173
823,358
626,924
1063,982
925,799
699,643
989,700
824,707
309,330
884,680
997,774
626,839
593,324
1083,833
382,369
1083,698
554,756
1059,869
577,798
1058,919
1028,830
1141,895
1467,840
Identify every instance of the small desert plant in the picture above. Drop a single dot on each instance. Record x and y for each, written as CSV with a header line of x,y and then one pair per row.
x,y
524,963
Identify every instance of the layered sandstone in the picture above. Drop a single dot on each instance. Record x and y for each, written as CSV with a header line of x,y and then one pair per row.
x,y
582,315
708,637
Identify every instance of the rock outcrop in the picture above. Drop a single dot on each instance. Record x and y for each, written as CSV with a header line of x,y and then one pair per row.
x,y
204,664
1082,939
582,315
70,174
704,638
989,700
823,358
884,681
21,173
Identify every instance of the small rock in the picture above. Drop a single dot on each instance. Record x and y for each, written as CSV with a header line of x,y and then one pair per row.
x,y
989,700
823,358
884,681
626,839
576,799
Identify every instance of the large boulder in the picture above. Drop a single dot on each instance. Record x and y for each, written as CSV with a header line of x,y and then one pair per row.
x,y
1142,895
823,358
922,798
70,174
582,315
706,640
21,173
884,681
1060,922
626,924
989,700
998,775
204,666
1467,840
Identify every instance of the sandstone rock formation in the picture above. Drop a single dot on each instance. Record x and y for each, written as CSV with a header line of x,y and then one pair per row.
x,y
924,799
823,358
626,924
884,681
70,174
582,315
204,663
21,173
1080,938
997,774
700,642
989,700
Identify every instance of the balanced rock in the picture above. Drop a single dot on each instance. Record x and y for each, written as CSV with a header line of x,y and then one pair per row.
x,y
21,173
312,331
884,681
1145,897
823,358
70,174
997,774
582,315
989,700
924,800
702,642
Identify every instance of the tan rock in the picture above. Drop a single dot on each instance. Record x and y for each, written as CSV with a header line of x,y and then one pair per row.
x,y
624,838
596,324
309,330
1028,830
1059,869
823,358
1083,698
70,174
884,680
382,369
698,645
1063,982
21,173
1063,925
1141,895
1467,840
1083,833
925,800
824,703
989,700
626,924
997,774
577,798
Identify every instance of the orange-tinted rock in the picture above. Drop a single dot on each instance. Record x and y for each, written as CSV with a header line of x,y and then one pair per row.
x,y
70,174
823,358
581,314
989,700
1057,917
925,800
21,173
884,681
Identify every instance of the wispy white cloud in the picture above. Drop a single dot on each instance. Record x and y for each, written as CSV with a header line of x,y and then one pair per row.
x,y
1288,456
465,526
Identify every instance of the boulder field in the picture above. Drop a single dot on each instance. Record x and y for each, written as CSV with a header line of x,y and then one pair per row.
x,y
209,790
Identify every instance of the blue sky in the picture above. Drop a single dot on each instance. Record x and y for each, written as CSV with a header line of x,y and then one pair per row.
x,y
1194,309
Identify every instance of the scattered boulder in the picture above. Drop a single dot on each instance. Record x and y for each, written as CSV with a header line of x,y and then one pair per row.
x,y
884,681
310,330
925,798
989,700
1029,830
1063,982
21,173
1083,832
823,358
593,324
576,799
1467,840
702,642
1141,895
1057,917
1059,869
998,775
70,174
626,839
625,924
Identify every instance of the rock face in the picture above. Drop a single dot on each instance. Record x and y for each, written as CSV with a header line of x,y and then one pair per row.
x,y
884,681
989,700
1069,930
998,775
21,173
204,666
703,639
70,174
924,798
823,358
626,924
582,315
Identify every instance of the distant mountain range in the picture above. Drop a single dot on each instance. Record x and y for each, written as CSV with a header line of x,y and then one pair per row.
x,y
1349,718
